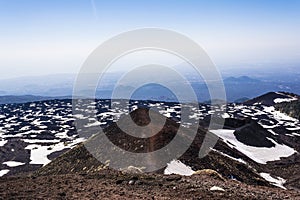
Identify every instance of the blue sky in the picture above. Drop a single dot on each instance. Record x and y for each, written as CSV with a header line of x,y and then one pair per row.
x,y
46,37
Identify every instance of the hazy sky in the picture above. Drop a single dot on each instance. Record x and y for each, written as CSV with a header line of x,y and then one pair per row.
x,y
56,36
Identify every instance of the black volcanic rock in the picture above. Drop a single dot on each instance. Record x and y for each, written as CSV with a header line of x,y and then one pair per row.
x,y
229,123
254,135
137,144
235,123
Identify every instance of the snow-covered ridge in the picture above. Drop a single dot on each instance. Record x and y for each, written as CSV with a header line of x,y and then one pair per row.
x,y
287,99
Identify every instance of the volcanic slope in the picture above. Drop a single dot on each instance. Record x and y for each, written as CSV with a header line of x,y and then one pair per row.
x,y
79,160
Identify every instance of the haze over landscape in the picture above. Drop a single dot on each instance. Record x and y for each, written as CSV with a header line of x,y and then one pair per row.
x,y
46,43
50,37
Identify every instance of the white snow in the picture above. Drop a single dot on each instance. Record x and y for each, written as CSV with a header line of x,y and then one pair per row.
x,y
196,115
2,142
24,128
11,124
225,115
61,134
280,100
96,123
278,115
32,105
177,167
246,111
258,154
271,131
30,132
268,127
43,127
33,141
13,163
228,156
293,129
216,188
296,134
38,154
274,181
291,135
80,116
3,172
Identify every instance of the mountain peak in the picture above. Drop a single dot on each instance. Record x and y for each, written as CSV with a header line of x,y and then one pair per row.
x,y
271,98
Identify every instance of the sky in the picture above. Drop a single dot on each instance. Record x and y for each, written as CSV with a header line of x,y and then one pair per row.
x,y
49,37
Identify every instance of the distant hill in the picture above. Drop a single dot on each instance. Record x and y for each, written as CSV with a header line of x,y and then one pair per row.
x,y
247,87
46,85
236,87
241,79
8,99
241,100
271,98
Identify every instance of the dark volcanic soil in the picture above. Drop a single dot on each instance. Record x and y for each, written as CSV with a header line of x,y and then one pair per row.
x,y
114,185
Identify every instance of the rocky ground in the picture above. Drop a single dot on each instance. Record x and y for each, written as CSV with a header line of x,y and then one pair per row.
x,y
108,184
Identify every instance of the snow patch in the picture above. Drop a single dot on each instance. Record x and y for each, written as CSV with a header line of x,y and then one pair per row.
x,y
96,123
274,181
2,142
33,141
293,129
280,100
177,167
228,156
258,154
273,133
296,134
278,115
13,163
80,116
216,188
225,115
3,172
39,153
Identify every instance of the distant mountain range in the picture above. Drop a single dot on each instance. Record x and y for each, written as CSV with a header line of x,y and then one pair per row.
x,y
238,88
241,79
8,99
